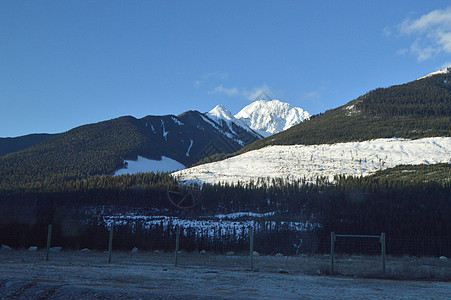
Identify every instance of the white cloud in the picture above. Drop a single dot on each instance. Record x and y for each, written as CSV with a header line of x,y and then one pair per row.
x,y
251,94
215,75
210,76
311,95
423,52
387,31
220,89
432,33
402,51
198,83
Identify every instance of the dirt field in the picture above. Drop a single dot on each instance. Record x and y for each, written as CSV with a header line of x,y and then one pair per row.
x,y
75,275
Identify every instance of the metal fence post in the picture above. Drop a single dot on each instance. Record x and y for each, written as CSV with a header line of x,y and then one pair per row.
x,y
177,245
49,238
251,246
383,252
332,240
110,243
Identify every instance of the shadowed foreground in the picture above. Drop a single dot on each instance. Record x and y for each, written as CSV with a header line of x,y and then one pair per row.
x,y
74,275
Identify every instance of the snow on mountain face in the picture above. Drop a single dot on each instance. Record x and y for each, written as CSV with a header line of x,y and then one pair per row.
x,y
442,71
270,117
309,162
142,165
221,114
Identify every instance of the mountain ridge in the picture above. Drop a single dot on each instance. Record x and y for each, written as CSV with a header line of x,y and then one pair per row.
x,y
264,117
103,148
414,110
417,109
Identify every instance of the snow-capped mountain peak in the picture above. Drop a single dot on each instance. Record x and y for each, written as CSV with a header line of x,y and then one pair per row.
x,y
263,117
270,117
220,113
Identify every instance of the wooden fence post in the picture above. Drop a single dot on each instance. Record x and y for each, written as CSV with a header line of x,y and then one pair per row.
x,y
110,243
177,245
383,252
332,241
49,238
251,246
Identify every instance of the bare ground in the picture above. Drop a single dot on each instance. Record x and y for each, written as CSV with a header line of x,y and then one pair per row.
x,y
75,275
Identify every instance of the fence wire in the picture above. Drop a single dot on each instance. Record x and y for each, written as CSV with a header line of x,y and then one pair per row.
x,y
274,246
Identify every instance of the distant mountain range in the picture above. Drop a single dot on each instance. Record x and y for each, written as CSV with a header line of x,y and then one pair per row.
x,y
109,147
415,110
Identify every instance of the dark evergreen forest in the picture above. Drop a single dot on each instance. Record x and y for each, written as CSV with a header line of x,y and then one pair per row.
x,y
386,202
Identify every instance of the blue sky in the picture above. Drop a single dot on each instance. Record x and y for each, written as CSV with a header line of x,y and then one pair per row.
x,y
68,63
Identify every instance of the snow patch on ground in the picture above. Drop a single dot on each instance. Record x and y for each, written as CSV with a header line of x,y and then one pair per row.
x,y
309,162
143,165
351,110
238,215
221,225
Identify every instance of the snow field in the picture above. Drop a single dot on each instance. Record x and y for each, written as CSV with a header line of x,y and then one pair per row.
x,y
309,162
142,165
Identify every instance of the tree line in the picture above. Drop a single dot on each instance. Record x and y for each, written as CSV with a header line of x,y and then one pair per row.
x,y
386,202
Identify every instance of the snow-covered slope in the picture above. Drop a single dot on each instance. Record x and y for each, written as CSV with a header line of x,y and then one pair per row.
x,y
143,165
442,71
299,161
172,142
269,117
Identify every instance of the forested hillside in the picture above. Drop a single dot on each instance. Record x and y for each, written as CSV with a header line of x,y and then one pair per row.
x,y
14,144
385,202
101,148
421,108
83,151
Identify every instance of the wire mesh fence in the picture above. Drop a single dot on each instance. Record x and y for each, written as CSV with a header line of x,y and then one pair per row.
x,y
264,245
